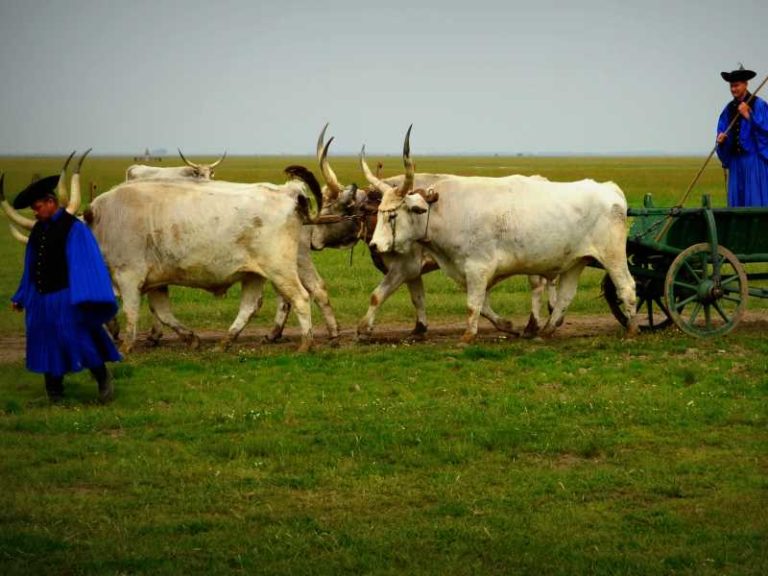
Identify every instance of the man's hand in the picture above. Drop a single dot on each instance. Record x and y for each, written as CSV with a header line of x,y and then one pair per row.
x,y
17,306
721,137
744,110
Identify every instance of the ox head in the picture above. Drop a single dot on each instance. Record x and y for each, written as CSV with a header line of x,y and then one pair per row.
x,y
339,219
400,220
202,171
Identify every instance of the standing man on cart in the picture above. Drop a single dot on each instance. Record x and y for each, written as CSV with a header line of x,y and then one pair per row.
x,y
743,150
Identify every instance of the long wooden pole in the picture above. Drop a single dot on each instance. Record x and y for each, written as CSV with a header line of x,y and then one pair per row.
x,y
701,170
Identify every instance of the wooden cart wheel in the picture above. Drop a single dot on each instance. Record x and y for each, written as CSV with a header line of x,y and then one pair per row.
x,y
701,303
652,313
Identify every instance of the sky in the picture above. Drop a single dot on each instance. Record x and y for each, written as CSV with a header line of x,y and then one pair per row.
x,y
472,76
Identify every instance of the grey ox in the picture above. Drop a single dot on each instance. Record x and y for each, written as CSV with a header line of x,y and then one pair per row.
x,y
191,170
483,230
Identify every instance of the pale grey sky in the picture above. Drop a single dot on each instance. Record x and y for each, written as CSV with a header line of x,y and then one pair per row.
x,y
262,77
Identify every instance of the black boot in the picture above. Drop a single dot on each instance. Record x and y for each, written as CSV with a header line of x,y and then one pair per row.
x,y
104,380
54,385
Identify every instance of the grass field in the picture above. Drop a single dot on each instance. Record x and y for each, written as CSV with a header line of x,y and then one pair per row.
x,y
583,454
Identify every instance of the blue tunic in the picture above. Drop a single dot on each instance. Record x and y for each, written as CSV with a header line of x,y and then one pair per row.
x,y
745,154
65,330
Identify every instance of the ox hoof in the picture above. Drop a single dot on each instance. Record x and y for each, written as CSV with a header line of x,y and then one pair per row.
x,y
334,341
467,339
126,349
505,326
420,330
224,345
532,328
275,336
193,342
305,347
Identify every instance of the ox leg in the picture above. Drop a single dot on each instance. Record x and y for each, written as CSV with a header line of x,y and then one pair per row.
x,y
251,298
160,305
156,332
131,297
499,322
552,298
316,288
536,284
625,289
477,289
567,286
281,317
292,290
391,282
416,290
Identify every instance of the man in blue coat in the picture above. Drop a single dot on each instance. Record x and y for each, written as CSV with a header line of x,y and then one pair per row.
x,y
66,293
744,150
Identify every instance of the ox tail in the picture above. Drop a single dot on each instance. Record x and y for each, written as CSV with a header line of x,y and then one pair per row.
x,y
309,179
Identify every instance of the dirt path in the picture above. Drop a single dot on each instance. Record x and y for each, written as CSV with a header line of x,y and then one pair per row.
x,y
12,347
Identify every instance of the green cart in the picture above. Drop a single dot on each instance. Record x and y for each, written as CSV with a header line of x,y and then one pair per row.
x,y
689,266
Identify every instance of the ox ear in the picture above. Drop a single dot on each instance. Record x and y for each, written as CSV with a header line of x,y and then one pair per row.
x,y
429,194
416,203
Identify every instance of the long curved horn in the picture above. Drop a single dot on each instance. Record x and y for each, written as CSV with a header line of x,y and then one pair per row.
x,y
13,215
187,162
380,185
320,142
408,163
334,186
61,186
16,233
219,161
74,201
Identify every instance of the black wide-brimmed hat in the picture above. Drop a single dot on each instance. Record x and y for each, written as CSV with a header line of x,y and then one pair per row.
x,y
740,75
36,191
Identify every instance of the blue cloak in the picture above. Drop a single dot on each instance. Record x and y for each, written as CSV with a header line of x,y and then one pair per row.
x,y
65,330
747,159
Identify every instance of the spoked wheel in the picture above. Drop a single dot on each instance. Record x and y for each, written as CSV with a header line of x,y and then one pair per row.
x,y
652,313
706,294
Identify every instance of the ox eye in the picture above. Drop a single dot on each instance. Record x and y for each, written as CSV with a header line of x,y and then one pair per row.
x,y
392,216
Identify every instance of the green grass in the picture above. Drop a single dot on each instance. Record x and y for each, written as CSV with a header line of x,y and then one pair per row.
x,y
577,455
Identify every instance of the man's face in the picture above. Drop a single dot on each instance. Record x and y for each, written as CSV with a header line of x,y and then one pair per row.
x,y
738,89
44,208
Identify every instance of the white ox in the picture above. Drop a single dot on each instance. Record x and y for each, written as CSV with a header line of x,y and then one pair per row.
x,y
207,235
190,171
483,230
349,215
